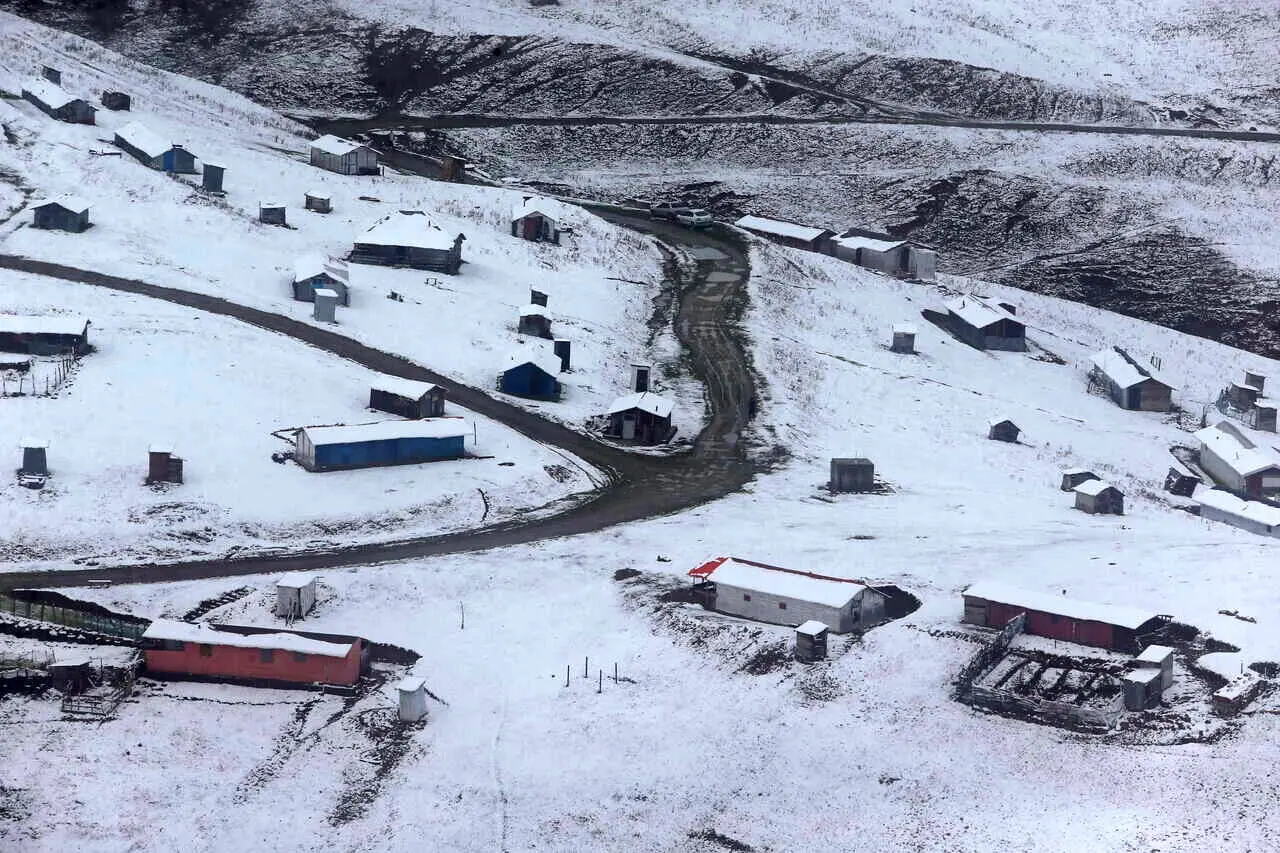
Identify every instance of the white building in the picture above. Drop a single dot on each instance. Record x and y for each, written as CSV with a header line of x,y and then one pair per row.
x,y
412,692
343,156
1217,505
788,596
1237,464
295,595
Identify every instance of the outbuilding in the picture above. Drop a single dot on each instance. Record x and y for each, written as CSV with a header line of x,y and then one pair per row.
x,y
644,418
272,213
295,595
535,320
318,201
781,596
1159,658
343,156
411,693
44,335
1003,429
186,649
1264,416
408,238
904,339
1237,464
317,272
1253,516
152,151
1098,497
407,398
811,641
853,474
116,101
531,374
334,448
1129,384
55,102
887,254
65,213
537,219
790,234
985,325
1105,626
1074,477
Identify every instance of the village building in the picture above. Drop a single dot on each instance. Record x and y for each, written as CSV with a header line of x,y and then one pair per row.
x,y
532,374
1098,497
1180,480
537,219
1003,429
1141,689
66,213
272,213
317,272
116,101
35,457
1232,698
1264,416
211,177
325,307
44,335
1129,384
407,398
781,596
1253,516
318,201
334,448
1160,659
152,151
790,234
1074,477
1237,464
563,350
186,649
55,102
852,475
1105,626
343,156
887,254
409,239
904,339
535,320
985,325
163,466
295,595
811,641
644,417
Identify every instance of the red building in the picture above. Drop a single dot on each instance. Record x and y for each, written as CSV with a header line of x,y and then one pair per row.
x,y
188,649
1105,626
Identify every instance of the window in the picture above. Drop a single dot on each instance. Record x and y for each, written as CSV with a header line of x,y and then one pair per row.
x,y
173,645
782,605
746,596
266,655
299,657
206,650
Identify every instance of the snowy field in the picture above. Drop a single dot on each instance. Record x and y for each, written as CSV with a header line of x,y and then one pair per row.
x,y
215,390
601,281
689,747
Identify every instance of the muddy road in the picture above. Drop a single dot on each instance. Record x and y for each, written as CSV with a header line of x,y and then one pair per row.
x,y
710,291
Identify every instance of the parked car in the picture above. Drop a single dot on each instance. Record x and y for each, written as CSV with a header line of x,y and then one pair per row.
x,y
667,210
694,218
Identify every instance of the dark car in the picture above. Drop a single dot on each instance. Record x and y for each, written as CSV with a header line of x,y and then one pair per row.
x,y
668,210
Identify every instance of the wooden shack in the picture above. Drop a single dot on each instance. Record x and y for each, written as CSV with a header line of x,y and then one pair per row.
x,y
116,101
65,213
1074,477
811,641
407,398
55,102
162,465
271,213
985,325
319,202
1003,429
408,238
535,320
531,374
314,272
1130,385
644,418
789,233
295,595
343,156
1098,497
852,475
904,339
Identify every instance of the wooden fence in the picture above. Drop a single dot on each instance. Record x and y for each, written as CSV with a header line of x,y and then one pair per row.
x,y
988,656
72,618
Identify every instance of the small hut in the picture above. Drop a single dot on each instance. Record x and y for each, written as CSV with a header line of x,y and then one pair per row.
x,y
1264,417
1159,658
535,320
1141,689
320,202
564,351
116,101
811,641
1003,429
412,693
643,417
1098,497
66,213
904,339
641,375
1074,477
211,175
35,458
295,595
326,307
852,475
162,465
271,213
407,398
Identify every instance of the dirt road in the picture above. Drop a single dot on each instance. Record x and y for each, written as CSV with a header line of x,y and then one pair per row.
x,y
639,486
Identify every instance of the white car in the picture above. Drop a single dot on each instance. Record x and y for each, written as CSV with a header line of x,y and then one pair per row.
x,y
694,218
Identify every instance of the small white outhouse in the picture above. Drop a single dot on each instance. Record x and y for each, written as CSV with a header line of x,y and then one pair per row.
x,y
413,698
295,595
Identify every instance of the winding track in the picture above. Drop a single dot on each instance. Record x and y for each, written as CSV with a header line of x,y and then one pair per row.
x,y
639,487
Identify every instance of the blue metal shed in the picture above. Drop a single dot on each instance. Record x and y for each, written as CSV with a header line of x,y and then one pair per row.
x,y
532,376
378,444
178,159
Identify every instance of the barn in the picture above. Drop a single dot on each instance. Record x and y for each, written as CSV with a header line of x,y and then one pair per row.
x,y
644,417
406,398
44,335
781,596
408,239
335,448
790,234
186,649
1104,626
1129,384
532,375
1098,497
152,151
1253,516
1237,464
66,213
986,326
343,156
537,219
317,272
55,102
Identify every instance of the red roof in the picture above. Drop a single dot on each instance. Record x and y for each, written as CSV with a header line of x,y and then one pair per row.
x,y
710,566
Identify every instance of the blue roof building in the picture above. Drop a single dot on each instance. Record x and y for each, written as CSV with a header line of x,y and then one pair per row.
x,y
532,374
384,443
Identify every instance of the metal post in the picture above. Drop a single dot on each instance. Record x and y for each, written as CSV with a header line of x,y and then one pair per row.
x,y
615,672
584,668
566,675
600,683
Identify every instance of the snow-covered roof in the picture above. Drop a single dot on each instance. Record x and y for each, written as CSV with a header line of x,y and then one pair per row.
x,y
1120,371
1235,453
402,387
50,94
1237,687
325,293
271,205
319,194
189,632
385,430
411,684
34,443
314,264
1070,471
978,312
998,421
646,401
73,203
1093,488
296,580
545,360
14,324
812,628
532,310
1142,676
407,228
786,583
548,207
1110,614
1226,502
904,329
782,229
871,243
1154,654
160,448
141,137
335,145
